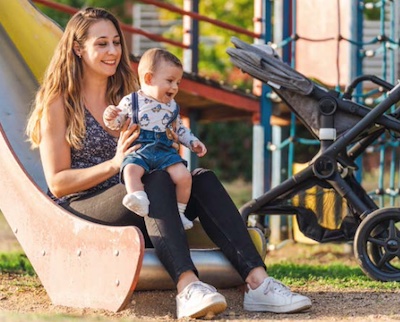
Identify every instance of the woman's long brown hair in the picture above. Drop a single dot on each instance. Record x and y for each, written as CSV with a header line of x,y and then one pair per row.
x,y
63,78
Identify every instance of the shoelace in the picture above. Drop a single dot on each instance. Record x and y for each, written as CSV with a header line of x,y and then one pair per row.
x,y
200,287
277,286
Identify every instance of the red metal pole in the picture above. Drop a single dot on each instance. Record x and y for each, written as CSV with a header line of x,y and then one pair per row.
x,y
197,16
128,28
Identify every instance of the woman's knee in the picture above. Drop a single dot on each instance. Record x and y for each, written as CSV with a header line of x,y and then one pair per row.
x,y
205,178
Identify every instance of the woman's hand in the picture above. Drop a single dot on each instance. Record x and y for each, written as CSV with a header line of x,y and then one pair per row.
x,y
129,133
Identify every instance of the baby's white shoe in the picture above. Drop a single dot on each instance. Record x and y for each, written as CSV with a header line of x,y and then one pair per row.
x,y
187,224
137,202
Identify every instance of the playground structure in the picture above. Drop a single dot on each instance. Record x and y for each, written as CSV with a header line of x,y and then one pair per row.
x,y
346,55
352,46
344,123
22,168
80,264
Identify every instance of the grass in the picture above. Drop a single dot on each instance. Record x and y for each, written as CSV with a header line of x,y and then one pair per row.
x,y
315,266
239,190
336,276
15,262
330,273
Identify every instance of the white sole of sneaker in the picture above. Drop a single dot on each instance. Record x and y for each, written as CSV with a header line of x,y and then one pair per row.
x,y
293,308
209,311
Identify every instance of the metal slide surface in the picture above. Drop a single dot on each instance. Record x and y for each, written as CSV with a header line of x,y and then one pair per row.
x,y
17,89
27,41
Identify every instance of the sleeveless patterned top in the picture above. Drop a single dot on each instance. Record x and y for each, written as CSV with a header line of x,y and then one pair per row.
x,y
97,146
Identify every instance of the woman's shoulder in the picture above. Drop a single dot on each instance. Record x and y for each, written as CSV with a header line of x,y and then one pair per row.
x,y
56,103
56,109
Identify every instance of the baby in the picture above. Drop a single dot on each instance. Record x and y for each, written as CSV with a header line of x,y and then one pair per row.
x,y
154,109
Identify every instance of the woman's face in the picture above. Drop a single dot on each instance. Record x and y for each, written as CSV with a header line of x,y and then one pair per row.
x,y
102,50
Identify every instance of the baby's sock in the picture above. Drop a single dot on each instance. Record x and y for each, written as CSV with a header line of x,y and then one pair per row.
x,y
187,224
137,202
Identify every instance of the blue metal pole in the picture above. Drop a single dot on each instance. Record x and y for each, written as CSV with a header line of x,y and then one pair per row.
x,y
195,38
286,30
266,104
356,58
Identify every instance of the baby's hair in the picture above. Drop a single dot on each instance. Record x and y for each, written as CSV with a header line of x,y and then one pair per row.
x,y
152,58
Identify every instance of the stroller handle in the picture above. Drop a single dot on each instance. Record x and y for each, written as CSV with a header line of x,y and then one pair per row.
x,y
392,98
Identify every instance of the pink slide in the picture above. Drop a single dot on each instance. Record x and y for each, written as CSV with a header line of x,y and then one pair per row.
x,y
80,264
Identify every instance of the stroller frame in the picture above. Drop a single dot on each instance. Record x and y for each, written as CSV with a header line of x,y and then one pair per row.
x,y
375,231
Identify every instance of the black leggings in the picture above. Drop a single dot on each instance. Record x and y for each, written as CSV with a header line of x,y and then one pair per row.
x,y
163,229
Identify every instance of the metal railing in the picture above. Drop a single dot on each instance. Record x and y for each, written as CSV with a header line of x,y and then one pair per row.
x,y
160,4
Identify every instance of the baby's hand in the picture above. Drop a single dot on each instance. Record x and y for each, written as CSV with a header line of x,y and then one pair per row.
x,y
111,119
199,148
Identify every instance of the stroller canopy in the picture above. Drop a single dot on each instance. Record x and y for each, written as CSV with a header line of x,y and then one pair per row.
x,y
263,63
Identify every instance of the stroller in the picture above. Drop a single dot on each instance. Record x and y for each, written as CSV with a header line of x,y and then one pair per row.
x,y
345,130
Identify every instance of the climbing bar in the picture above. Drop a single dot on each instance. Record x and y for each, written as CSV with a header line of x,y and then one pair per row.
x,y
70,10
199,17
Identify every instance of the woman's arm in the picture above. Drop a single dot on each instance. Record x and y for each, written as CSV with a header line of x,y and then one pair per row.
x,y
55,154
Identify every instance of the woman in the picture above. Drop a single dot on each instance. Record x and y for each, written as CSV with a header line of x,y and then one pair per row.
x,y
81,159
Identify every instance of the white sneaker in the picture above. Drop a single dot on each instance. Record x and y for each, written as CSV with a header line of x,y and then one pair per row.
x,y
187,224
137,204
273,296
198,300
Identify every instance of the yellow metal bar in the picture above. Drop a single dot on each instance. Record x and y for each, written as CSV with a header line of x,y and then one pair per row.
x,y
34,34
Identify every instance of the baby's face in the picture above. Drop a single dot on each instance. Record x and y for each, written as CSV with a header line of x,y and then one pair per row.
x,y
164,83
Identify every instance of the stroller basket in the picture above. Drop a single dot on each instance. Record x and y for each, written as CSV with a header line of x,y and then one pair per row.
x,y
345,130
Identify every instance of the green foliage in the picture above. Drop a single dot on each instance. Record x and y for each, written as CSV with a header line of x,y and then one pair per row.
x,y
15,262
213,61
334,275
375,12
229,147
239,190
115,6
229,144
60,17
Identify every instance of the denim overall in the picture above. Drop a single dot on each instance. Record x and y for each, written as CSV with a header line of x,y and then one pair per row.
x,y
156,151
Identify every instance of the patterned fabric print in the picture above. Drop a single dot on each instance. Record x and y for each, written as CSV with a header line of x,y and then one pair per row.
x,y
98,146
154,116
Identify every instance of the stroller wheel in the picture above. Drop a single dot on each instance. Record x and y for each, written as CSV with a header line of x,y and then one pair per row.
x,y
377,245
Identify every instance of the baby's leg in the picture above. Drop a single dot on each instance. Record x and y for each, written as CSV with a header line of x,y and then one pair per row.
x,y
183,182
136,198
133,174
